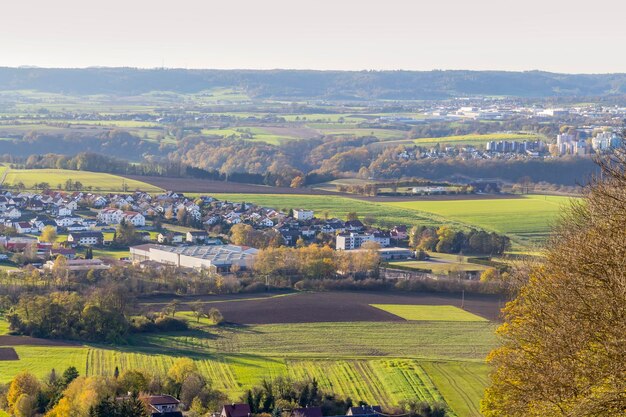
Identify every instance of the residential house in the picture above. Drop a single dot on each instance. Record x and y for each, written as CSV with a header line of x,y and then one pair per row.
x,y
354,226
110,215
134,218
303,215
12,213
68,221
162,406
196,236
170,237
85,238
382,238
236,410
399,232
306,412
69,253
23,227
64,211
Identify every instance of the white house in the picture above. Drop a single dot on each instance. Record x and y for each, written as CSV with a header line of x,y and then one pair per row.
x,y
85,238
23,227
301,214
12,213
135,218
110,215
68,221
64,211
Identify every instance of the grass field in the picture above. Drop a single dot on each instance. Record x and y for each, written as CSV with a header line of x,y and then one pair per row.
x,y
423,340
375,362
339,207
461,384
429,313
527,219
476,139
54,177
253,134
530,217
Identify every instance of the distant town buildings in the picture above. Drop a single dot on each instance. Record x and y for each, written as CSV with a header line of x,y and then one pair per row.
x,y
605,141
568,144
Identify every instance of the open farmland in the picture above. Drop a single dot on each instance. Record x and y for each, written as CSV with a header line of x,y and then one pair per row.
x,y
309,307
54,177
194,185
337,206
384,360
475,139
529,218
429,313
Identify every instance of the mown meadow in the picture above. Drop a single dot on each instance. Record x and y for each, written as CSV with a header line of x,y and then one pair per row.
x,y
97,180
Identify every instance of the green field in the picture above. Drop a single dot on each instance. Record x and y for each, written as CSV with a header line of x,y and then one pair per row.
x,y
475,139
428,313
98,180
529,218
339,207
442,264
375,362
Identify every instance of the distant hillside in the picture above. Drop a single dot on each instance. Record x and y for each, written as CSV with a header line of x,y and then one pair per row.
x,y
400,85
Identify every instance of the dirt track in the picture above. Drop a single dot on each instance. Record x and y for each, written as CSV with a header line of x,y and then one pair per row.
x,y
332,306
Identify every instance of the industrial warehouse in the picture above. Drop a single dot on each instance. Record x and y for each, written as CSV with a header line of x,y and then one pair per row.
x,y
215,257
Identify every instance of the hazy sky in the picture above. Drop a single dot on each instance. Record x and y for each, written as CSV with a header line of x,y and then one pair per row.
x,y
553,35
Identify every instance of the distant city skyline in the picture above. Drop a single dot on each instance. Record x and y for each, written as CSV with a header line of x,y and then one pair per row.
x,y
547,35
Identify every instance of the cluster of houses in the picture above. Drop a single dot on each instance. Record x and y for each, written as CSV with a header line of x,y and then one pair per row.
x,y
87,217
168,406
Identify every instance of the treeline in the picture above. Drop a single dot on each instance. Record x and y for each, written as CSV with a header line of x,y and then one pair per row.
x,y
89,161
274,396
120,395
448,240
117,143
309,84
98,317
116,395
565,171
316,262
291,164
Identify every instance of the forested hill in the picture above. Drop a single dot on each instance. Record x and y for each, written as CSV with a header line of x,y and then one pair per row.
x,y
314,84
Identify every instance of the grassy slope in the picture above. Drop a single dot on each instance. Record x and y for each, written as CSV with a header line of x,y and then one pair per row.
x,y
376,362
529,217
429,313
476,139
338,206
103,181
460,383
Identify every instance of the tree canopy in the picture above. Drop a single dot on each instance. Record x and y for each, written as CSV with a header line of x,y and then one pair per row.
x,y
563,349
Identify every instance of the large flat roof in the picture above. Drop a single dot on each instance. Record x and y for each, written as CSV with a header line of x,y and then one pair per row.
x,y
217,254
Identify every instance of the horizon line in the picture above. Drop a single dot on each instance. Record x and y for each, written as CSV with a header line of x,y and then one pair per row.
x,y
164,68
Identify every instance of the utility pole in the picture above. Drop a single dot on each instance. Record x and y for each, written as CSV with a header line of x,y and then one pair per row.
x,y
463,299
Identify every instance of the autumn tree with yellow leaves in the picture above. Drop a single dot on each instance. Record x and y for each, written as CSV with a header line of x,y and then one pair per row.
x,y
563,350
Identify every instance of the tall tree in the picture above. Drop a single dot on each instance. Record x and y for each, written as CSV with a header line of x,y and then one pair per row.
x,y
48,234
563,349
